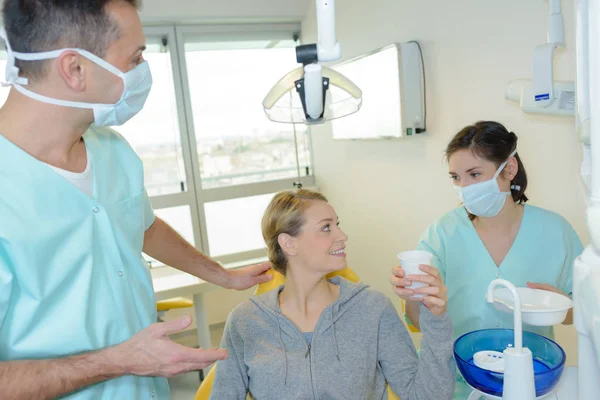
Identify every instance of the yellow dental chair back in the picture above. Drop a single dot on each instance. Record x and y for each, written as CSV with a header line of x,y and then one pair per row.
x,y
278,280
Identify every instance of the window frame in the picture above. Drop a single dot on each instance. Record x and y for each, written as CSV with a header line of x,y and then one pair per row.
x,y
195,197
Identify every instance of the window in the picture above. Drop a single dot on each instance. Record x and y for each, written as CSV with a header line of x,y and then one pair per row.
x,y
236,143
217,160
212,159
155,133
234,225
239,158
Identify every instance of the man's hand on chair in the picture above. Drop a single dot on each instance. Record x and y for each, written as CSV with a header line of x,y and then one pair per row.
x,y
151,353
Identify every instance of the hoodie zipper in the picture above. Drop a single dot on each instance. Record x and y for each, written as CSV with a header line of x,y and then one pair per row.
x,y
310,369
308,354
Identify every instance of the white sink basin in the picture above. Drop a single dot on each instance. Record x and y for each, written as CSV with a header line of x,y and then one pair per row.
x,y
538,307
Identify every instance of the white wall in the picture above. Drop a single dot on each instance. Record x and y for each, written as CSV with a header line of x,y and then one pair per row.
x,y
222,10
387,192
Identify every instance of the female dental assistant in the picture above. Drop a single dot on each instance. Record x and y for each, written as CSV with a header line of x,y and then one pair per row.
x,y
495,235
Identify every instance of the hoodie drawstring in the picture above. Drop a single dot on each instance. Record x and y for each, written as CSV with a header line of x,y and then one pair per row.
x,y
337,351
284,353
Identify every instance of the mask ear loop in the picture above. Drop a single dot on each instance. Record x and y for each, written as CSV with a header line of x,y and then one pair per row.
x,y
12,71
512,187
503,165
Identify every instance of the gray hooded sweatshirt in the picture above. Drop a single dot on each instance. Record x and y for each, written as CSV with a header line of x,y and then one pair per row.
x,y
359,343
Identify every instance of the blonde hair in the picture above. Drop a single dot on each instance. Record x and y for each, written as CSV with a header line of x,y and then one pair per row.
x,y
285,214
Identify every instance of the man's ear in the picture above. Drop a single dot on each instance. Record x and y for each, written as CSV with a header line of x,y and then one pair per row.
x,y
72,69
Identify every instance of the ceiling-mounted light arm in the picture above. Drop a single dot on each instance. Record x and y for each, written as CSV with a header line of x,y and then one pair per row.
x,y
328,47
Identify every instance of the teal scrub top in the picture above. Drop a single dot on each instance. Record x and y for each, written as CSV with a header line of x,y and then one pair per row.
x,y
543,252
72,277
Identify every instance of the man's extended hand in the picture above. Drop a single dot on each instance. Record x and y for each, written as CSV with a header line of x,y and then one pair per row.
x,y
151,353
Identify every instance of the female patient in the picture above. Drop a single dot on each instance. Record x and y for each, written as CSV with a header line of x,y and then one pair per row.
x,y
315,338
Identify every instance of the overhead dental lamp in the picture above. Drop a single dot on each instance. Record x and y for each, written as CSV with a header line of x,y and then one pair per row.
x,y
304,95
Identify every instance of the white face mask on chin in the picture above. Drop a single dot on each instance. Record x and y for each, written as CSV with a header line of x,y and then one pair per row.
x,y
136,85
484,199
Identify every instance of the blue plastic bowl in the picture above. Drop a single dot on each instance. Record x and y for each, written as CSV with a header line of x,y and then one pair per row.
x,y
548,359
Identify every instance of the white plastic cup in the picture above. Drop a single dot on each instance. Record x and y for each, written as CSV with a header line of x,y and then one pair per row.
x,y
410,261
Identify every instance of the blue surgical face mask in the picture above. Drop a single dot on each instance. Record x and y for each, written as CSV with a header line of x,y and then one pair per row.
x,y
484,199
136,85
